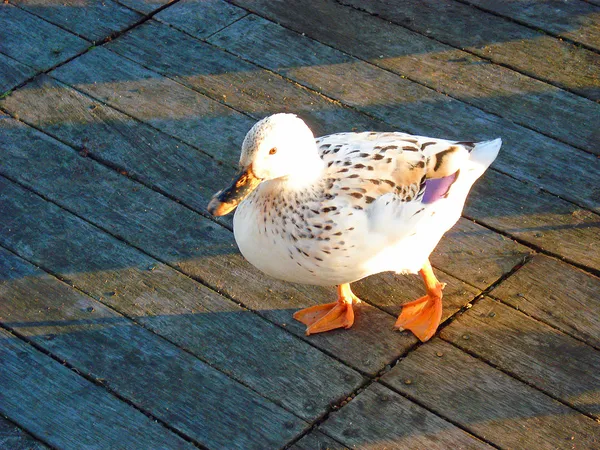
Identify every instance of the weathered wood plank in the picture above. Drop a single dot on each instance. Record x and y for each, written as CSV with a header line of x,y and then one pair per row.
x,y
14,438
178,243
380,418
251,350
33,41
148,371
453,72
496,39
559,365
316,440
158,101
191,243
550,223
123,142
243,86
93,20
200,18
12,73
557,294
67,411
352,81
144,6
576,20
487,402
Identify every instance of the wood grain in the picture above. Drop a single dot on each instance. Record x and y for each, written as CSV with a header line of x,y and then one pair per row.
x,y
547,222
557,294
93,20
502,41
14,438
145,6
559,365
487,402
316,440
66,410
33,41
228,79
200,18
158,101
148,371
12,73
380,418
578,21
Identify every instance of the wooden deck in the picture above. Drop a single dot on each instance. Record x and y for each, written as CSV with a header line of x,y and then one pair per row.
x,y
128,319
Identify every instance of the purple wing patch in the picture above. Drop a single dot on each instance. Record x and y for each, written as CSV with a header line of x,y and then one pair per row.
x,y
437,188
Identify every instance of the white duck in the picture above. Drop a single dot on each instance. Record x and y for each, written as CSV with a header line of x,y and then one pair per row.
x,y
342,207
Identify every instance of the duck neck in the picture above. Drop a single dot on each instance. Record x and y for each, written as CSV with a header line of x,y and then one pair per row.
x,y
306,174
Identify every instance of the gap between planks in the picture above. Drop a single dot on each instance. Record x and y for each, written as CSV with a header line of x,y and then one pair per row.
x,y
91,379
523,124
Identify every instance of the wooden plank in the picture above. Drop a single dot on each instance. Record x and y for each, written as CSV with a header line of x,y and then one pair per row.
x,y
543,220
99,342
14,438
200,19
67,411
557,364
122,142
251,350
380,418
93,20
229,79
557,294
145,6
341,77
178,243
317,440
496,39
158,101
12,73
33,41
487,402
450,71
576,20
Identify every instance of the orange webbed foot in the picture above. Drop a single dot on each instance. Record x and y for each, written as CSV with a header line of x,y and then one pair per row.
x,y
423,316
330,316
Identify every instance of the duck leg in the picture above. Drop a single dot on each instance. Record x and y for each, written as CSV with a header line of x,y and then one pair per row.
x,y
330,316
423,315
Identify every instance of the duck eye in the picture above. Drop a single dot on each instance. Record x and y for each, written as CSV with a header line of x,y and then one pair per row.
x,y
272,151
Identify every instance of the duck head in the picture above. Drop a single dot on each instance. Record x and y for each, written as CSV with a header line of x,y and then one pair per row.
x,y
279,147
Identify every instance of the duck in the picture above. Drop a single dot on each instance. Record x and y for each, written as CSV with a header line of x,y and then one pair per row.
x,y
332,210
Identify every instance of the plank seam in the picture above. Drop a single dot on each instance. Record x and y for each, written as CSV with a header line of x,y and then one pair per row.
x,y
497,63
531,27
93,380
535,247
420,83
539,320
521,380
25,430
72,285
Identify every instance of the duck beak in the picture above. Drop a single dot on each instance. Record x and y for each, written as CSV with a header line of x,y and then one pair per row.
x,y
225,201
